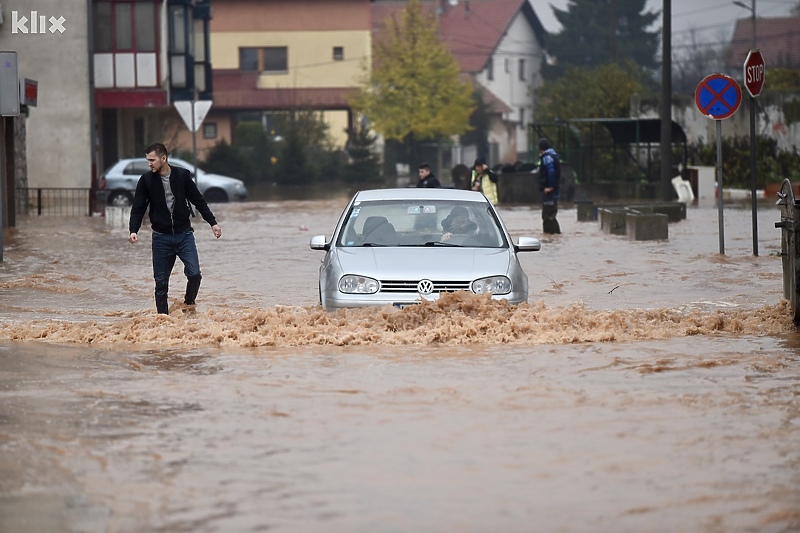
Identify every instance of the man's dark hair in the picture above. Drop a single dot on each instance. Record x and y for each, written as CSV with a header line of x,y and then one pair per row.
x,y
158,148
425,166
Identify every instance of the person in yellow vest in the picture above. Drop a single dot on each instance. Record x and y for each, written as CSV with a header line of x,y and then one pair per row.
x,y
484,180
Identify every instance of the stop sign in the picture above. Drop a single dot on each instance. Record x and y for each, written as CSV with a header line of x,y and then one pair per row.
x,y
754,70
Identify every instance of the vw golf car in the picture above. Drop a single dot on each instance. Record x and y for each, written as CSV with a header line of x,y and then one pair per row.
x,y
400,246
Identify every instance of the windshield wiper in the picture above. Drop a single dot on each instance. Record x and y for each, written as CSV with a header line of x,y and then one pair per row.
x,y
440,243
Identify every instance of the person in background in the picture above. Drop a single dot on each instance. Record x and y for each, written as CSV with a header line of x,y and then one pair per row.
x,y
549,185
484,180
426,177
167,191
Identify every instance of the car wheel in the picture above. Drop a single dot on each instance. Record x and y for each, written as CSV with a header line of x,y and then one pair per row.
x,y
217,196
120,199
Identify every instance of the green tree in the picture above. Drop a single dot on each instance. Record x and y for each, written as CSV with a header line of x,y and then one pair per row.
x,y
601,92
225,159
414,91
306,149
364,165
595,32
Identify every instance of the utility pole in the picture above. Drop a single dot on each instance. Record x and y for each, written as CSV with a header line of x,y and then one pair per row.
x,y
666,100
754,204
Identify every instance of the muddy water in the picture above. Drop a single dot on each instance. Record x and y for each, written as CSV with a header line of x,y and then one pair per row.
x,y
650,386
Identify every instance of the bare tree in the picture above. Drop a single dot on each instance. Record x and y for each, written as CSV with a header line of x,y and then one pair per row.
x,y
693,60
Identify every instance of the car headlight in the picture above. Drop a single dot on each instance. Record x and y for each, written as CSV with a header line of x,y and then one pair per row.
x,y
358,285
494,284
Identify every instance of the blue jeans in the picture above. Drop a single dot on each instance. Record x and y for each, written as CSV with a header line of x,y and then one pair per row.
x,y
166,248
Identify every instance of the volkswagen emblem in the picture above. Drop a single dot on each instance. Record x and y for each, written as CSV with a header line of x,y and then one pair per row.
x,y
425,287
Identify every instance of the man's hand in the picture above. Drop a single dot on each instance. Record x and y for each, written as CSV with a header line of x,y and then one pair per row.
x,y
217,231
133,239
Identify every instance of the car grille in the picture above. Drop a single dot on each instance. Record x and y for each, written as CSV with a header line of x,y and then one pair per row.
x,y
411,286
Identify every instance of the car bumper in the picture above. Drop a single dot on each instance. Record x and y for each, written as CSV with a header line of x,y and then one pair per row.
x,y
337,300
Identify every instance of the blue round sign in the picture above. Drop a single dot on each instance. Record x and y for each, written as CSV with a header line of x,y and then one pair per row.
x,y
718,96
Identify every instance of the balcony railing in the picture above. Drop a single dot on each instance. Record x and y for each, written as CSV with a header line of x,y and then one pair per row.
x,y
57,201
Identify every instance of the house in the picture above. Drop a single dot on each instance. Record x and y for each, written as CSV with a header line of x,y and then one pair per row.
x,y
49,39
499,45
777,38
146,55
279,55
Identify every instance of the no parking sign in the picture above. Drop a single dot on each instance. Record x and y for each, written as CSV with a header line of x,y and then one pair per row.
x,y
718,96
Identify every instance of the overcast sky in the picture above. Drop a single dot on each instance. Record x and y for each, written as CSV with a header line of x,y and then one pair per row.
x,y
712,20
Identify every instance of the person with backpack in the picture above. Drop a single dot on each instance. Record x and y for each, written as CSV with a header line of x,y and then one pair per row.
x,y
549,185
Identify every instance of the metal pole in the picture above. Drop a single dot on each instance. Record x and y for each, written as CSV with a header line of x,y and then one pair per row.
x,y
3,178
754,208
666,101
719,188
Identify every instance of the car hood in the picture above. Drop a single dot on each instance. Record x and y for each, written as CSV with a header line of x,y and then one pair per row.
x,y
217,179
437,263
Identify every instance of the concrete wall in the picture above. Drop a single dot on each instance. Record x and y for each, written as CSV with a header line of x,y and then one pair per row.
x,y
58,129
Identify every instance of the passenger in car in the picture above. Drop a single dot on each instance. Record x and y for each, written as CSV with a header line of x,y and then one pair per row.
x,y
458,222
378,230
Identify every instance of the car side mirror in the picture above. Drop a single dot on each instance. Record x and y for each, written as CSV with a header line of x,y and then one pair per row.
x,y
319,242
528,244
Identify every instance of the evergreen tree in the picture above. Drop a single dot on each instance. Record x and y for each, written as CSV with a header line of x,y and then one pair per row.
x,y
364,165
595,32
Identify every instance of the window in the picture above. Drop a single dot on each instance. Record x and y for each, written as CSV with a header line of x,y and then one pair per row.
x,y
522,70
210,130
125,26
338,53
490,69
268,59
248,59
522,117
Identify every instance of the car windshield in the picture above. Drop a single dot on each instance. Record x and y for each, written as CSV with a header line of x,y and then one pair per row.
x,y
421,223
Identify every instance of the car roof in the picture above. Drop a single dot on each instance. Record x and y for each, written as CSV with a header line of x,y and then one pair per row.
x,y
413,193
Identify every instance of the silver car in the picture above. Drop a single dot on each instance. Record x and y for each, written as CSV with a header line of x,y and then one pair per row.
x,y
119,182
400,246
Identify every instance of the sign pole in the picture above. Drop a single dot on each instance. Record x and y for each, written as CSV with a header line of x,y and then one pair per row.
x,y
754,70
754,206
718,97
194,133
719,188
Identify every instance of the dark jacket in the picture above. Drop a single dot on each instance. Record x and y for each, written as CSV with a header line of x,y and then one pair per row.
x,y
550,175
428,182
150,192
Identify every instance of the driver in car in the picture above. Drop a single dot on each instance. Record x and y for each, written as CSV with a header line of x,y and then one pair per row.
x,y
458,223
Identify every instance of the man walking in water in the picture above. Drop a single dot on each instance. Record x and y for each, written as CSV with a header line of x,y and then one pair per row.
x,y
167,191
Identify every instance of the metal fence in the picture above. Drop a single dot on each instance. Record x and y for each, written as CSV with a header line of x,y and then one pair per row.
x,y
55,201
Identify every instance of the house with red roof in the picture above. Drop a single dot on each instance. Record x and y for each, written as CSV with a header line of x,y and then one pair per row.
x,y
777,38
499,45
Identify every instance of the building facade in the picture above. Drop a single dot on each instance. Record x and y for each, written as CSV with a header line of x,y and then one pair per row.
x,y
280,55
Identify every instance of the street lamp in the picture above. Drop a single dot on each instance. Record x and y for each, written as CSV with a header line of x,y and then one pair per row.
x,y
752,9
753,179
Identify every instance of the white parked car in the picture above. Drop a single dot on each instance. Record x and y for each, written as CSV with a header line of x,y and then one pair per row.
x,y
400,246
119,182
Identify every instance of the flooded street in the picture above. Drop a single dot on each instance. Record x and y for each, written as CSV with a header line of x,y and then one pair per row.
x,y
645,386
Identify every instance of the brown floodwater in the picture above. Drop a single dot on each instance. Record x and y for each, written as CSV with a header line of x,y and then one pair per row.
x,y
645,386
